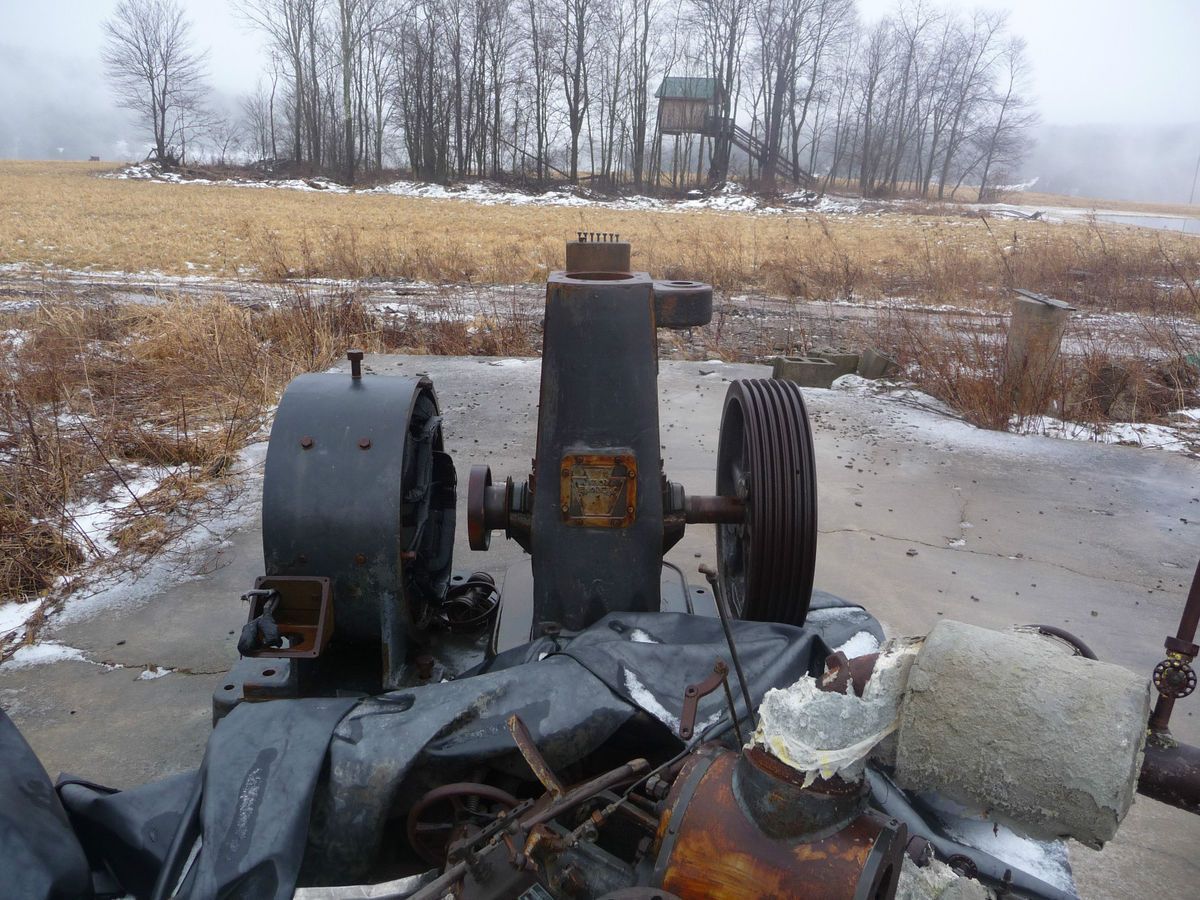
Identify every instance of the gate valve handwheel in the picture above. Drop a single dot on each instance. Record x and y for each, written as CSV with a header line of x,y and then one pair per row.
x,y
1174,678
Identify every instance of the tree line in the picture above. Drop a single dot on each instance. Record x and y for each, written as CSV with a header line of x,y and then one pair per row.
x,y
924,100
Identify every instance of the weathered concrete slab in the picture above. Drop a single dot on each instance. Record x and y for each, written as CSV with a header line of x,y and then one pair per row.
x,y
1057,530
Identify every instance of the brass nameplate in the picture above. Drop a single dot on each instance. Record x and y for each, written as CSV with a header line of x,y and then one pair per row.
x,y
598,490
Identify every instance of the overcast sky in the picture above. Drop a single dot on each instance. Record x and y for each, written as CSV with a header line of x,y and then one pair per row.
x,y
1132,62
1100,61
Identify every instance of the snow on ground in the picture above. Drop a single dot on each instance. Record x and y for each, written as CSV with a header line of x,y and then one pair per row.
x,y
729,197
935,421
113,584
43,652
1181,439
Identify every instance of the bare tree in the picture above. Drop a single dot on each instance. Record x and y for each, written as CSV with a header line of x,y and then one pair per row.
x,y
574,50
158,74
1012,117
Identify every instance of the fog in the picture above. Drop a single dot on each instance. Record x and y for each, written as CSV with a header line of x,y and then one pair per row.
x,y
1114,84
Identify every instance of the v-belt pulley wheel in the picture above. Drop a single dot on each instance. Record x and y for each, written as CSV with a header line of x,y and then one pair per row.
x,y
765,456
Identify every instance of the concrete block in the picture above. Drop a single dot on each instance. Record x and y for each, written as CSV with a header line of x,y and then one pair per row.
x,y
806,371
873,364
845,361
1035,333
1011,723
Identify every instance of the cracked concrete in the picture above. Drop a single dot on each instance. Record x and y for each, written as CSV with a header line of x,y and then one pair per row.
x,y
1099,539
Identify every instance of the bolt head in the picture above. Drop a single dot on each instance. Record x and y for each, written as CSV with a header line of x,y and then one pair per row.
x,y
306,442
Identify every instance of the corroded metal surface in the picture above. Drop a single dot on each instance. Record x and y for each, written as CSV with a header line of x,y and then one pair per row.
x,y
710,846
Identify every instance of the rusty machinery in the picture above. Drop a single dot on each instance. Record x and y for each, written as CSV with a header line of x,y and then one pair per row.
x,y
358,528
598,512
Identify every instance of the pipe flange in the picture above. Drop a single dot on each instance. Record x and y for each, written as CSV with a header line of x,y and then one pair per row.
x,y
478,533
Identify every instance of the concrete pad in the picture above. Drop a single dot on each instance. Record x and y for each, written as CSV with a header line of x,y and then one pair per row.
x,y
1119,540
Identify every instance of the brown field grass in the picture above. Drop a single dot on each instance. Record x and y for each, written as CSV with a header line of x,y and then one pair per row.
x,y
94,391
60,214
92,395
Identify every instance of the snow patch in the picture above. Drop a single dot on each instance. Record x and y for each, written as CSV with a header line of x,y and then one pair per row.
x,y
13,617
860,644
42,653
644,697
1153,437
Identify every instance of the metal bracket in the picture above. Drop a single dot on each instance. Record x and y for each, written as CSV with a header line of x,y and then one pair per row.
x,y
693,693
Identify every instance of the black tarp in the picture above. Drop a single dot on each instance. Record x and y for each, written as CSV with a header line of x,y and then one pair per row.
x,y
313,782
39,854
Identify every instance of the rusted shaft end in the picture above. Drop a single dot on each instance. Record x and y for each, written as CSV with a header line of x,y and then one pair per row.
x,y
714,510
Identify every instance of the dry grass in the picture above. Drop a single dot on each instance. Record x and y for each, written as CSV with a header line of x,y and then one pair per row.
x,y
94,396
61,215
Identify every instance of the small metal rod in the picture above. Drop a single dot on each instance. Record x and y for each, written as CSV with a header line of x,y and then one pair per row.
x,y
711,574
541,769
737,729
534,817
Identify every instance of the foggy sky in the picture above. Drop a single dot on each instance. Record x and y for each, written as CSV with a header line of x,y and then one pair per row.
x,y
1132,63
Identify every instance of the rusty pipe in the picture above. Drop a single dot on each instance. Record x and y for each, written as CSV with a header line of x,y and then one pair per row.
x,y
713,510
1171,775
1185,639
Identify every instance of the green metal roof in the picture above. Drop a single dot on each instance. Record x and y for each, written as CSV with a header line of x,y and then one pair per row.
x,y
684,87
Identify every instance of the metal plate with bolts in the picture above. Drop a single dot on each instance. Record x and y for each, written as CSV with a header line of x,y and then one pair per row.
x,y
599,490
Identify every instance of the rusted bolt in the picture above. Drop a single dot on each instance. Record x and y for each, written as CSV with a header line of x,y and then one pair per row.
x,y
306,442
565,507
364,443
360,559
356,358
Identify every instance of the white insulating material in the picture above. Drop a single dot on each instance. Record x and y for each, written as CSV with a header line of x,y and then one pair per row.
x,y
1010,723
937,881
823,733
